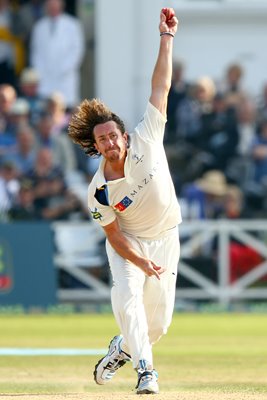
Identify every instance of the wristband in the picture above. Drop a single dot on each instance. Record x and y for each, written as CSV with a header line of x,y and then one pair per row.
x,y
167,33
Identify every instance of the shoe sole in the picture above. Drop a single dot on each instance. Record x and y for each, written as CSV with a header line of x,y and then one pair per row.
x,y
121,364
146,391
95,371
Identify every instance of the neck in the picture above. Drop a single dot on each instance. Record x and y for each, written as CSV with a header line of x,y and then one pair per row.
x,y
114,169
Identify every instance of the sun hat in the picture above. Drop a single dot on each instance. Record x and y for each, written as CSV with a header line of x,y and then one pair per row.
x,y
28,76
213,182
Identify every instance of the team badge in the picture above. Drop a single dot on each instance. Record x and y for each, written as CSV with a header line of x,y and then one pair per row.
x,y
138,158
123,204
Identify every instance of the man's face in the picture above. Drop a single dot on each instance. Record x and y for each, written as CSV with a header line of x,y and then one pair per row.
x,y
110,141
54,7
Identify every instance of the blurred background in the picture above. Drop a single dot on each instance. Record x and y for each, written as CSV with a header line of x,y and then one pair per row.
x,y
55,53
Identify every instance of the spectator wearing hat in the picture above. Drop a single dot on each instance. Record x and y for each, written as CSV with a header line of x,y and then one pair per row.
x,y
19,115
204,198
29,83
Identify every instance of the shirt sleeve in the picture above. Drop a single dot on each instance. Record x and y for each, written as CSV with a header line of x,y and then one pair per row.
x,y
102,214
152,125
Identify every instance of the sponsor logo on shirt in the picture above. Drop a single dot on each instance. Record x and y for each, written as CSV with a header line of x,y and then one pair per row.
x,y
145,181
96,214
123,204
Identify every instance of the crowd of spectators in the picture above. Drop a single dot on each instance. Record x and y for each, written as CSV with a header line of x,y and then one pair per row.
x,y
216,134
43,175
216,141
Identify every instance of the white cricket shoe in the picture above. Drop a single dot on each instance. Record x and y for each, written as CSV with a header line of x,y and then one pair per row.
x,y
106,368
147,380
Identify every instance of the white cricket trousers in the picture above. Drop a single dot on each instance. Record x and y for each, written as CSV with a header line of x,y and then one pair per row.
x,y
142,305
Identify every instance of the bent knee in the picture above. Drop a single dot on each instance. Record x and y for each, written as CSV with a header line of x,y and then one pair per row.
x,y
156,334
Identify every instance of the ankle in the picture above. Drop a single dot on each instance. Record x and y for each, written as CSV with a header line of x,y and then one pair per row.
x,y
144,365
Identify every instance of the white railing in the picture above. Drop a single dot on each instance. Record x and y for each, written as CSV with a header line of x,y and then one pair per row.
x,y
79,255
198,236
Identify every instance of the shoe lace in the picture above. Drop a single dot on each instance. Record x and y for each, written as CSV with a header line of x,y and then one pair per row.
x,y
116,363
144,375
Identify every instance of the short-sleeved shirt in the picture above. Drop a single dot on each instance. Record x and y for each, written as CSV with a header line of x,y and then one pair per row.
x,y
144,200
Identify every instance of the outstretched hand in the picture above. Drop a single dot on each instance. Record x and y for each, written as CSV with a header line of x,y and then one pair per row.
x,y
168,24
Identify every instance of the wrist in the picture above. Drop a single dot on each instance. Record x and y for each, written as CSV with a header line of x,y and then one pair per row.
x,y
166,33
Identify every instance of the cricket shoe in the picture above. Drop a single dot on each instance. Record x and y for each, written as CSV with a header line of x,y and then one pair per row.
x,y
147,379
106,368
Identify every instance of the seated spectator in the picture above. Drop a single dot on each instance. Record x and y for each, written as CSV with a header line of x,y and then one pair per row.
x,y
220,136
7,139
9,187
204,198
55,107
246,125
193,118
259,155
19,115
60,145
243,258
234,204
53,200
231,86
24,155
178,92
193,113
24,209
29,81
262,106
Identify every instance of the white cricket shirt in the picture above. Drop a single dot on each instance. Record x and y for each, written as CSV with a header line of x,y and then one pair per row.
x,y
144,200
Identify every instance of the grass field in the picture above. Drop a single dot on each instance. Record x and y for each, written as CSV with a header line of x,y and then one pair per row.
x,y
203,356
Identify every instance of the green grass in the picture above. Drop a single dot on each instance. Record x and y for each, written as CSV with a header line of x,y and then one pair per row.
x,y
217,354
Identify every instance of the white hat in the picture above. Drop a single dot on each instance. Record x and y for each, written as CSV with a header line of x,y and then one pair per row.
x,y
29,75
20,107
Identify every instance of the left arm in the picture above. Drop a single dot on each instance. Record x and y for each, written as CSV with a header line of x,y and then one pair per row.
x,y
162,74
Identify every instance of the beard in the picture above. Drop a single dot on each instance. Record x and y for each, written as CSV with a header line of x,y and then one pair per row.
x,y
115,154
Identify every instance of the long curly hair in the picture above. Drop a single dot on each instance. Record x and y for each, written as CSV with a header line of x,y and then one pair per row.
x,y
83,121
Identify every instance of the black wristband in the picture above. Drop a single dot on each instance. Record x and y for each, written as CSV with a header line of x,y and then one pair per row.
x,y
166,33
